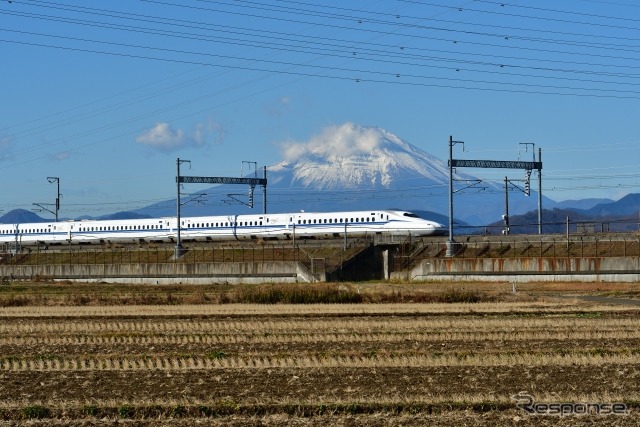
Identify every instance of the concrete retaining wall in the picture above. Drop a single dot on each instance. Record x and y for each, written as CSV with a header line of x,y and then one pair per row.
x,y
625,269
167,273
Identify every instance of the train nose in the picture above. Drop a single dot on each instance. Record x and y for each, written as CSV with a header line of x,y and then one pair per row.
x,y
440,229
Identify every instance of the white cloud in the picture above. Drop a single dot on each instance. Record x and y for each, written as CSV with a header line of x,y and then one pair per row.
x,y
163,137
63,155
334,142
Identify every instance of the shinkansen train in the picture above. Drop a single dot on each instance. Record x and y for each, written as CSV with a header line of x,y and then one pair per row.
x,y
230,227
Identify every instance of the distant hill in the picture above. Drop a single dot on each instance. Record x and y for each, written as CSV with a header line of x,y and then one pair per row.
x,y
628,205
19,216
581,204
554,221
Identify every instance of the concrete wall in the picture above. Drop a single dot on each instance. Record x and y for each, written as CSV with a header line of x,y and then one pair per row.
x,y
525,269
168,273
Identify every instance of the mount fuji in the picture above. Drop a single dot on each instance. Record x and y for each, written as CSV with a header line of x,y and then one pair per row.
x,y
354,167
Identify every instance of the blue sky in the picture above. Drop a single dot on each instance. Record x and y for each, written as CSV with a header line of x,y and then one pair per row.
x,y
106,95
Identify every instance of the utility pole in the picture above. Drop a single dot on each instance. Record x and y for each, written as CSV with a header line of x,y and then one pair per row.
x,y
505,217
56,205
179,251
451,244
540,192
51,180
264,192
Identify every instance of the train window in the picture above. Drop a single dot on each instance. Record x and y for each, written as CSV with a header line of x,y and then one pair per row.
x,y
361,219
298,221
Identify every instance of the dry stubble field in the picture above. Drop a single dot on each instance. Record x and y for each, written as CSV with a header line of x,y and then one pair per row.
x,y
198,356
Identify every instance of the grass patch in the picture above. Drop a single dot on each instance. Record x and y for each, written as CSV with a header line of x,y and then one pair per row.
x,y
35,412
296,294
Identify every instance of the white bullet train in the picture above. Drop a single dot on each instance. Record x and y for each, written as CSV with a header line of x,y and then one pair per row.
x,y
228,227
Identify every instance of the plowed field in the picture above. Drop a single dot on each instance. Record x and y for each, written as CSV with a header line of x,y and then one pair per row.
x,y
312,365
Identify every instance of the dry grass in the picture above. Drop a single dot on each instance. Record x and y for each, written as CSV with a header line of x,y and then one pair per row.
x,y
302,310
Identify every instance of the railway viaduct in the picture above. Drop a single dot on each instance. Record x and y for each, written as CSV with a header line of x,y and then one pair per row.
x,y
480,258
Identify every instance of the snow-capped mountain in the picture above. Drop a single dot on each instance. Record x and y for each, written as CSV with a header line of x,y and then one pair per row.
x,y
354,167
357,157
